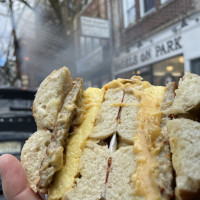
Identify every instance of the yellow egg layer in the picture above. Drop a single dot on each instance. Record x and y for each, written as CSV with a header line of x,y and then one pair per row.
x,y
65,178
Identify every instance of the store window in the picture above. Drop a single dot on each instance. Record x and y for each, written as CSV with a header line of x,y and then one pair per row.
x,y
195,66
168,70
144,72
96,43
129,12
88,45
146,6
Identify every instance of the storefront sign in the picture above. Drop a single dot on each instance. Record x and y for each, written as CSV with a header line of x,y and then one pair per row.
x,y
94,27
167,47
149,55
90,62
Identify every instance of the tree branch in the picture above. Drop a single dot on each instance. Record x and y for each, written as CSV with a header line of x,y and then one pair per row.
x,y
27,4
57,9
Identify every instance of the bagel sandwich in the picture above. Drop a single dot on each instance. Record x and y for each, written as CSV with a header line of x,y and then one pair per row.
x,y
127,140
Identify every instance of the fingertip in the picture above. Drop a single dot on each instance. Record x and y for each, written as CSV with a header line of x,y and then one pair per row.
x,y
14,181
9,164
5,161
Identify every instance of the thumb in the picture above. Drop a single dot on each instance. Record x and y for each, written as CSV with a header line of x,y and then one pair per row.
x,y
15,184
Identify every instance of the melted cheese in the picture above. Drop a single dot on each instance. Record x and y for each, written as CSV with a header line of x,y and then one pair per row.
x,y
65,178
135,81
124,104
145,147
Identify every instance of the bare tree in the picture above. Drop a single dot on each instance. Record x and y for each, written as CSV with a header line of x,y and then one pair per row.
x,y
9,74
55,14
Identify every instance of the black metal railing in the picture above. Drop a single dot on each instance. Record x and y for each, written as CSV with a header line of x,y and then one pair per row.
x,y
16,120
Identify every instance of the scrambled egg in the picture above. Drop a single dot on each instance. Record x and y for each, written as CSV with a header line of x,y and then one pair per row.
x,y
65,178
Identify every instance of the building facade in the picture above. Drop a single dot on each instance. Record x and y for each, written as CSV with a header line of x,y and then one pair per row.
x,y
92,44
156,39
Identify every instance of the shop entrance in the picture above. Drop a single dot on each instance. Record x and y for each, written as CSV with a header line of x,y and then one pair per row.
x,y
168,70
162,72
144,72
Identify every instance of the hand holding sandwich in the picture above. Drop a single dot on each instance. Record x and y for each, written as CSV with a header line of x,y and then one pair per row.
x,y
85,140
15,184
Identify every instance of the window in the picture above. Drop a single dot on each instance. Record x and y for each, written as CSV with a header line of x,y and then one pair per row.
x,y
168,70
195,65
146,6
163,1
96,43
144,72
129,12
88,45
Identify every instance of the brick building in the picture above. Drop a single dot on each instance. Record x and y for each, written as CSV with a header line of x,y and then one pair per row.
x,y
156,39
92,48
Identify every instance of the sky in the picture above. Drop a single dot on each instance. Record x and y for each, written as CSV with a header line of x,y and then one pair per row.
x,y
5,35
5,32
5,27
4,22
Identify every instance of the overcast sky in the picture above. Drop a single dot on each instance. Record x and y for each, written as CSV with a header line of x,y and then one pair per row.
x,y
5,26
4,22
5,33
